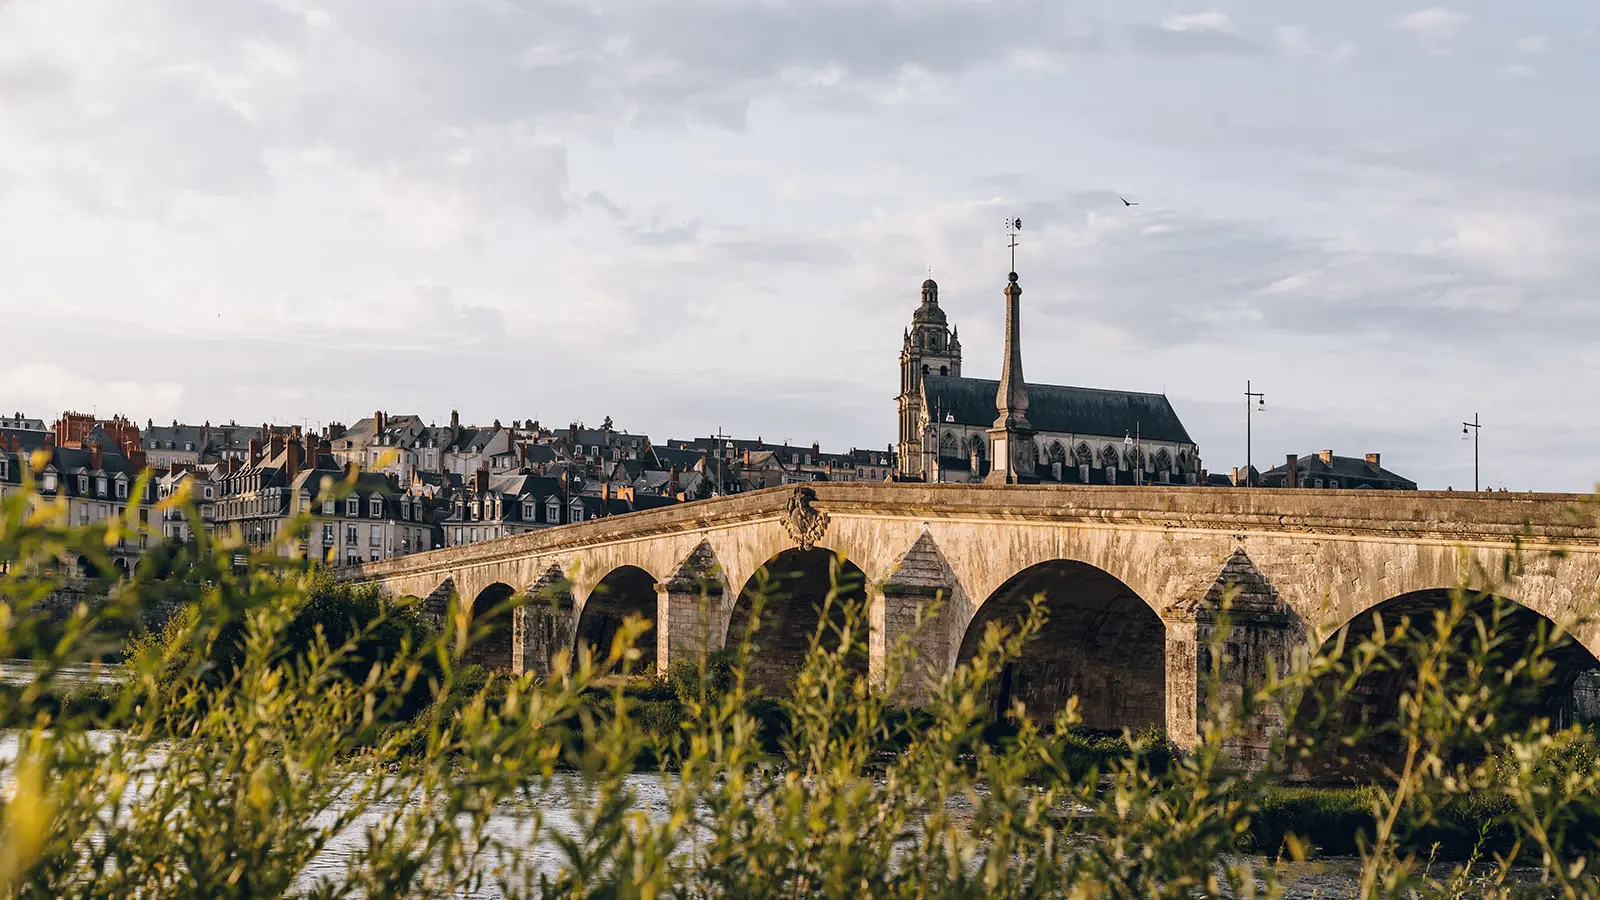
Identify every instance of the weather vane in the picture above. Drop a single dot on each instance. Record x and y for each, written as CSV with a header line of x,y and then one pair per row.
x,y
1012,227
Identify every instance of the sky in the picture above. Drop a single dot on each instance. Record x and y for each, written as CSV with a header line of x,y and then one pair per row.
x,y
717,214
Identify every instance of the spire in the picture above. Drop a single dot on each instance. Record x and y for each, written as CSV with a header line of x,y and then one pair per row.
x,y
1012,398
1011,446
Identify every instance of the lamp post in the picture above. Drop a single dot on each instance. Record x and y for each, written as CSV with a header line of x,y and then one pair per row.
x,y
1473,428
1261,403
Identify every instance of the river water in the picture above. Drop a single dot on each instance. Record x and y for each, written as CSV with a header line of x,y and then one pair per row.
x,y
560,805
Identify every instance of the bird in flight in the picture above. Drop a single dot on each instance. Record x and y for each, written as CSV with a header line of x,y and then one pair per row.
x,y
1125,201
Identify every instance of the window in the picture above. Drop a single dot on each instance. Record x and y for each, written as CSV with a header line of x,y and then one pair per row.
x,y
187,445
472,535
3,464
577,511
83,484
458,535
83,514
49,481
376,553
376,506
122,490
327,534
377,536
352,560
100,486
552,511
1319,482
352,507
527,511
350,534
208,492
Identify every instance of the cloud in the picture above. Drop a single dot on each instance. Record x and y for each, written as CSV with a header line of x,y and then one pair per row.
x,y
1297,41
1212,21
1433,28
1531,45
51,388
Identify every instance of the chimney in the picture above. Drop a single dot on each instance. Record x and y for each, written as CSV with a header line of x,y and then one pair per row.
x,y
1327,457
275,446
377,422
94,457
1374,460
255,450
455,420
291,464
1290,464
816,452
480,480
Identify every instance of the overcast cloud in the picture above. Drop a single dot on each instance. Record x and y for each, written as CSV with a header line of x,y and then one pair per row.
x,y
717,213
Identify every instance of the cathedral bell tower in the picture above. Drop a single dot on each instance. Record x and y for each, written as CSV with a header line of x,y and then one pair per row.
x,y
929,347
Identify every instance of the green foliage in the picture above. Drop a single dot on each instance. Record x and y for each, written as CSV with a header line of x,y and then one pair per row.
x,y
283,720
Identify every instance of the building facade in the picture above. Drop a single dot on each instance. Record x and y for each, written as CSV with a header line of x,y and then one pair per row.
x,y
1325,470
951,426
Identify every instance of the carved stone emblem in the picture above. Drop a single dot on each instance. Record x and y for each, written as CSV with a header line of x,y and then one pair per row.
x,y
804,522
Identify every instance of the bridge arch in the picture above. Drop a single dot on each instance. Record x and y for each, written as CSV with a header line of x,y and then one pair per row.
x,y
1102,642
1375,696
496,648
795,587
626,590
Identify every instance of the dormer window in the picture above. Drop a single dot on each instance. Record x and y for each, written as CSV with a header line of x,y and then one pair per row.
x,y
48,482
552,511
327,507
577,512
352,507
83,484
375,506
122,490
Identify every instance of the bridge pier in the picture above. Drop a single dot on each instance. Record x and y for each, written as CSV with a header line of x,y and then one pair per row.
x,y
546,624
691,616
691,622
1241,616
913,604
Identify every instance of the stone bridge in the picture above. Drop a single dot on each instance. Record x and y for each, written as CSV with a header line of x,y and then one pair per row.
x,y
1131,578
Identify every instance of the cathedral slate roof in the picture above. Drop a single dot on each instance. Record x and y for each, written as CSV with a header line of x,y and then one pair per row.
x,y
1059,408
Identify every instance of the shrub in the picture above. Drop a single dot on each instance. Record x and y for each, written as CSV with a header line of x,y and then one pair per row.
x,y
270,722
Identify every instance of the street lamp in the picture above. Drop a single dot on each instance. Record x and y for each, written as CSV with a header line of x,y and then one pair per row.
x,y
1261,404
1472,428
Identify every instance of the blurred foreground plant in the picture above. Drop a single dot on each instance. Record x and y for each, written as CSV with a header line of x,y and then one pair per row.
x,y
266,745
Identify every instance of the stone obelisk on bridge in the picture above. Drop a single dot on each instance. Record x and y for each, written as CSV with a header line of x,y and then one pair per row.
x,y
1011,438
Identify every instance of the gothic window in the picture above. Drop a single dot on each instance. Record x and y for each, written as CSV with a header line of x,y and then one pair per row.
x,y
1083,455
948,448
976,447
1058,454
1109,457
944,370
1163,460
1135,457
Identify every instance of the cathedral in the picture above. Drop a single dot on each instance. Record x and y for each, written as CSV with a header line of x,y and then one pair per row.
x,y
959,429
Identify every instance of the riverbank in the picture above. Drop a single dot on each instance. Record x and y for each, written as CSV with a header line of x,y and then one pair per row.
x,y
1333,820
